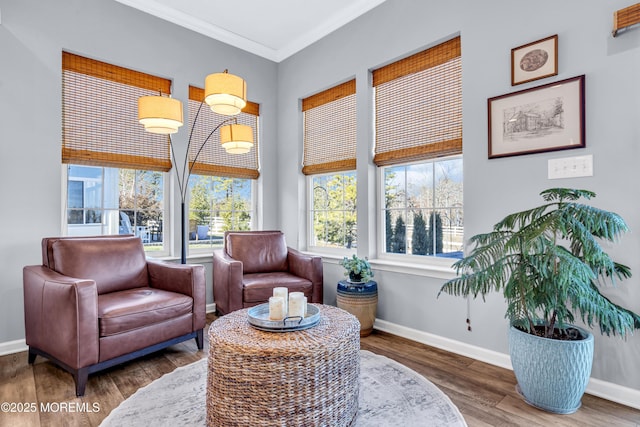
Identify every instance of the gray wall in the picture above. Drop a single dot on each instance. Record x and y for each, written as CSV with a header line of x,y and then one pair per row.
x,y
32,35
493,188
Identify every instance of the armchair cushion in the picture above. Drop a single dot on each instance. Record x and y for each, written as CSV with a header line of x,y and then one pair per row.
x,y
266,253
258,287
101,260
136,308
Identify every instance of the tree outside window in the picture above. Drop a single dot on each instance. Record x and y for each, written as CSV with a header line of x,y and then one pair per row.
x,y
333,210
218,204
423,208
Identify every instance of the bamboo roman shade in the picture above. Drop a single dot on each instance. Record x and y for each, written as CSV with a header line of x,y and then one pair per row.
x,y
418,106
100,116
330,130
213,159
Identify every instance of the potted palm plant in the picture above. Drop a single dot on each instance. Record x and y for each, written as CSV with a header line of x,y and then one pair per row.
x,y
358,294
548,263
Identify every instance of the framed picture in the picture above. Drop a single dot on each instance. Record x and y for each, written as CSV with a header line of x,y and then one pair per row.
x,y
534,61
536,120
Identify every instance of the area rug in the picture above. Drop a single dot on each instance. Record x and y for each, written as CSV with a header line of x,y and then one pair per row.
x,y
390,395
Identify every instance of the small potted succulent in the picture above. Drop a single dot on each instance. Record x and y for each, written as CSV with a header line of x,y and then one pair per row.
x,y
358,294
358,269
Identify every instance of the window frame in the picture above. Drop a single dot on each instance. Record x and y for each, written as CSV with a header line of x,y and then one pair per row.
x,y
166,235
195,252
421,260
342,251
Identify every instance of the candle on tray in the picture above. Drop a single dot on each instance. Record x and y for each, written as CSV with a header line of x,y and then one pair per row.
x,y
283,293
276,308
297,304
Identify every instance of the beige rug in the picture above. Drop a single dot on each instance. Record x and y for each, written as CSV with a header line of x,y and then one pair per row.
x,y
390,395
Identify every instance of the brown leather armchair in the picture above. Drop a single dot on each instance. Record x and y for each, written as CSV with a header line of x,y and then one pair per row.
x,y
252,263
96,302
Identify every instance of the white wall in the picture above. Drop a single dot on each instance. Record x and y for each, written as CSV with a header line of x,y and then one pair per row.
x,y
493,188
32,36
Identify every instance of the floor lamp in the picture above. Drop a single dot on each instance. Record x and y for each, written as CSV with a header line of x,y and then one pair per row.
x,y
226,94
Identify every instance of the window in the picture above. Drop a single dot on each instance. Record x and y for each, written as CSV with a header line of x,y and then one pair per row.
x,y
223,186
115,171
422,211
103,201
418,124
218,204
330,162
333,210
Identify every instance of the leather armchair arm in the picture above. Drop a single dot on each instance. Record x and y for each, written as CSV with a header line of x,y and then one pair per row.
x,y
309,267
186,279
227,281
61,315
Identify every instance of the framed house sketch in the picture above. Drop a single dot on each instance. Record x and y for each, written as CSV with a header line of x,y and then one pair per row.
x,y
534,61
536,120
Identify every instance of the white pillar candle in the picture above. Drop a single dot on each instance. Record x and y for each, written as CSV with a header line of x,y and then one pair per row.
x,y
296,304
276,308
282,292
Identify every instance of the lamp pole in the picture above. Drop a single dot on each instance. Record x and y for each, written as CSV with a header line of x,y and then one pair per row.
x,y
183,181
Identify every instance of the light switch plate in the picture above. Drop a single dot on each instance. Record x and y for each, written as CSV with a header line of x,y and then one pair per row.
x,y
570,167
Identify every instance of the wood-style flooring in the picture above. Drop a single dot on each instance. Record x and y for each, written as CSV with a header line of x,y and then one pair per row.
x,y
485,394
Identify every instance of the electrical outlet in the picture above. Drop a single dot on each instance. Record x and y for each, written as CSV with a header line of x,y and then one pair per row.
x,y
570,167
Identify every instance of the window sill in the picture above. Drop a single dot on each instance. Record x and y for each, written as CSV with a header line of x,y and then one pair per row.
x,y
441,270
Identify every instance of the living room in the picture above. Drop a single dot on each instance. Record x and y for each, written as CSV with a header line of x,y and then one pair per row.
x,y
34,34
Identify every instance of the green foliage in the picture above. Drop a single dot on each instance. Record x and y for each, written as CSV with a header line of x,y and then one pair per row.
x,y
399,242
548,263
335,220
358,269
420,242
388,231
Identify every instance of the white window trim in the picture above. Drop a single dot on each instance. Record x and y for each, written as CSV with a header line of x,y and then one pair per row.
x,y
166,238
406,261
255,221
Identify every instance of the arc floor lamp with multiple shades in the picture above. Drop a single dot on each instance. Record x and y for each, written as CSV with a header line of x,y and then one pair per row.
x,y
226,94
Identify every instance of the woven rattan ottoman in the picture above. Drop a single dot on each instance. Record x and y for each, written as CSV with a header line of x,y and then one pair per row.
x,y
300,378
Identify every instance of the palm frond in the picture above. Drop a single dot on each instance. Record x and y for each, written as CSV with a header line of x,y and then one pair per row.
x,y
548,262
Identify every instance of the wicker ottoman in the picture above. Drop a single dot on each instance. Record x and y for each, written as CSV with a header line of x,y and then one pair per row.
x,y
300,378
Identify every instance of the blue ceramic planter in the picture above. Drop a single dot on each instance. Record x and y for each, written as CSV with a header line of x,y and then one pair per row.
x,y
552,374
361,300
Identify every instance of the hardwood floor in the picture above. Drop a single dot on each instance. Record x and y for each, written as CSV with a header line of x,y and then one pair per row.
x,y
485,394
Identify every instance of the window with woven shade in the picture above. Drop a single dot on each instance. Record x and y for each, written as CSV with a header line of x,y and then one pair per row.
x,y
213,159
418,106
222,187
418,147
330,130
115,170
100,116
330,161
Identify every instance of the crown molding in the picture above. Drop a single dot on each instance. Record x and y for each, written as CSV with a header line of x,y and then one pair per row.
x,y
193,23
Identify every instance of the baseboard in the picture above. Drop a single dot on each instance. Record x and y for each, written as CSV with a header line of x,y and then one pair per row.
x,y
11,347
606,390
17,346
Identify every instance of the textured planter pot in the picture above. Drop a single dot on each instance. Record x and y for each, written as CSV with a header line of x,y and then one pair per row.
x,y
552,374
361,300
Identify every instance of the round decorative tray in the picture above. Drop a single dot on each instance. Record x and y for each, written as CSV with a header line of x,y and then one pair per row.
x,y
259,318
